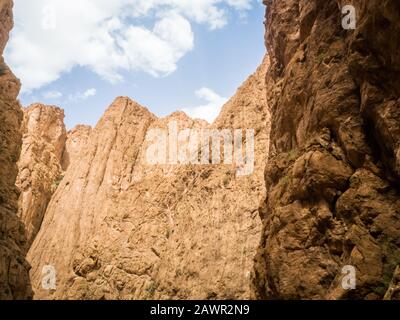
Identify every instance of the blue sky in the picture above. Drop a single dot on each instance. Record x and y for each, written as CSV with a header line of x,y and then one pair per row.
x,y
220,43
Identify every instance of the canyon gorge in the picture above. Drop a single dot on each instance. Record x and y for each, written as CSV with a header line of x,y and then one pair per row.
x,y
324,193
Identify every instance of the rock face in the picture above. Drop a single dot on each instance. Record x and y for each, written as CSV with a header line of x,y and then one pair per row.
x,y
39,165
75,145
119,227
332,178
116,226
14,280
47,152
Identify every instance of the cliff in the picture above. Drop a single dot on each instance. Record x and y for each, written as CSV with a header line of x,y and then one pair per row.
x,y
332,177
75,144
39,165
118,227
131,209
14,279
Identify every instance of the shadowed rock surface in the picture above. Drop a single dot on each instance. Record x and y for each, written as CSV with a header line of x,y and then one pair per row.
x,y
14,279
333,174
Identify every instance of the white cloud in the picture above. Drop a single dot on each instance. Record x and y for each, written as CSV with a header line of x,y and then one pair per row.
x,y
53,36
52,95
79,96
211,109
90,93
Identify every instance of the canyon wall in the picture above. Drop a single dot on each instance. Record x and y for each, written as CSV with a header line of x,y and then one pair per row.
x,y
14,279
333,174
39,165
324,107
76,141
120,228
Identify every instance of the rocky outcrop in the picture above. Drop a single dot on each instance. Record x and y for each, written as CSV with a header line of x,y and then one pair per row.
x,y
14,279
332,178
119,227
39,165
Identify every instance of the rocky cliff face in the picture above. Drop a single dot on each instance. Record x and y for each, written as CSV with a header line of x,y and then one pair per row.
x,y
120,228
332,178
75,144
14,280
39,165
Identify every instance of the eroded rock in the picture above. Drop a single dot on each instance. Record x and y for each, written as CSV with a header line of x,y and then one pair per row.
x,y
39,165
120,228
14,279
332,177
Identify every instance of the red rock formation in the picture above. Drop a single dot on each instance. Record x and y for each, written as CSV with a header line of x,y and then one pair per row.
x,y
332,177
39,165
120,228
14,280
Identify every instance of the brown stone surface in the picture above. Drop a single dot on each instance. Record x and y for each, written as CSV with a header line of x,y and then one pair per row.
x,y
332,177
14,280
325,185
75,144
39,165
119,228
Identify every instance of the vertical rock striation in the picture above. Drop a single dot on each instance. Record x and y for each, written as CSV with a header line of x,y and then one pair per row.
x,y
39,165
76,142
333,174
14,279
120,228
83,214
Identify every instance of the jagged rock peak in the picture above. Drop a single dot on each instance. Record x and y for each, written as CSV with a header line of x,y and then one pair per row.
x,y
46,122
124,110
123,101
40,171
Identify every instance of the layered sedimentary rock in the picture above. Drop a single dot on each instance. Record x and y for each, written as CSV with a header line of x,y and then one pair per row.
x,y
120,227
332,178
14,280
39,165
